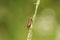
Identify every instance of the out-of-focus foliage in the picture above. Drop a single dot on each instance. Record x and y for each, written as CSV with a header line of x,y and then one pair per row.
x,y
14,15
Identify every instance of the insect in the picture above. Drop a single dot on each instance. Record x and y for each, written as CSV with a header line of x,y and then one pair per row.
x,y
30,21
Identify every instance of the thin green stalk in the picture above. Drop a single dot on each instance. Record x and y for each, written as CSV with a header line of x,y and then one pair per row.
x,y
30,30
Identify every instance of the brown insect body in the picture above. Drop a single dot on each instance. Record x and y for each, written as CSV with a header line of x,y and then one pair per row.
x,y
29,23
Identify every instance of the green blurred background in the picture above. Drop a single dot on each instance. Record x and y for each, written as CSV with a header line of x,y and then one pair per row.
x,y
14,15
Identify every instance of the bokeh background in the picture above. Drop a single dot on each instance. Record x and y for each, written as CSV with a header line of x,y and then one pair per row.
x,y
14,15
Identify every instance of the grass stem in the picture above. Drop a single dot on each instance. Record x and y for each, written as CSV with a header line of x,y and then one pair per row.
x,y
30,30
